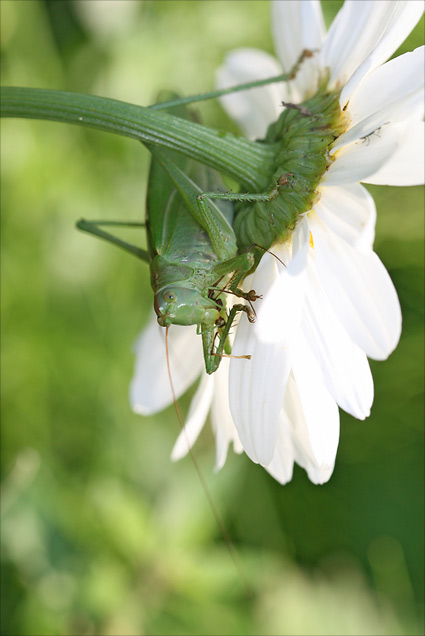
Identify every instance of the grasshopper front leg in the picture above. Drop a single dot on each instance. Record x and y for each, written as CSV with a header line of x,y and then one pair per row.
x,y
238,267
212,353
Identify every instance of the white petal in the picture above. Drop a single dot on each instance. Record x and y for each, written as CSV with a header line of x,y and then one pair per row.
x,y
257,387
196,417
363,35
150,389
282,464
349,211
403,19
237,446
389,94
383,125
222,421
298,26
360,291
406,165
313,417
344,366
353,34
359,160
280,311
256,108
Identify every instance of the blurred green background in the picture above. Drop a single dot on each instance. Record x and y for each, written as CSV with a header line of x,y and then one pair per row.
x,y
102,534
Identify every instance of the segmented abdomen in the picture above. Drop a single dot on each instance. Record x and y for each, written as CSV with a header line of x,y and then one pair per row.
x,y
304,137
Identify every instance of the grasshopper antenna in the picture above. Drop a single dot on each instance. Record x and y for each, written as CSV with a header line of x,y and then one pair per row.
x,y
268,251
220,523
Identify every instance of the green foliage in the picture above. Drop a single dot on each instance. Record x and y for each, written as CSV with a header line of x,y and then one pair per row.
x,y
101,533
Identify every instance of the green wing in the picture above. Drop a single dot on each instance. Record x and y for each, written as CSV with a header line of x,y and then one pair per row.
x,y
173,218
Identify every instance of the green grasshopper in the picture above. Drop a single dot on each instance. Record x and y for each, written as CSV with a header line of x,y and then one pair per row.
x,y
192,250
199,237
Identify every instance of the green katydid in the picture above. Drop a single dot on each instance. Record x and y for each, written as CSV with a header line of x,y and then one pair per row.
x,y
192,248
192,244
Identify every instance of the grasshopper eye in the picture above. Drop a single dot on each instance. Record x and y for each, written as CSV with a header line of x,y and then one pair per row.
x,y
170,296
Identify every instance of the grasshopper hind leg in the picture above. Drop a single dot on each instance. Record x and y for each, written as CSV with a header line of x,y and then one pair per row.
x,y
93,228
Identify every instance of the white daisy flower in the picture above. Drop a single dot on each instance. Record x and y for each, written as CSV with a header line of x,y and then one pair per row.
x,y
334,303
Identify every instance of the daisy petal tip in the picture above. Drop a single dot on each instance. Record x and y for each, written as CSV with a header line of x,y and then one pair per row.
x,y
138,402
282,476
220,458
218,466
383,350
258,453
140,410
179,451
320,476
359,413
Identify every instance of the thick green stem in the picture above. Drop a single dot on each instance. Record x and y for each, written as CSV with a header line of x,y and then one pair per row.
x,y
250,163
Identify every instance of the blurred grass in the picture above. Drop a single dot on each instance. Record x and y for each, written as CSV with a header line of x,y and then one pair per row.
x,y
101,533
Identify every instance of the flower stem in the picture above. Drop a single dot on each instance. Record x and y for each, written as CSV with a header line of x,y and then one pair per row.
x,y
249,162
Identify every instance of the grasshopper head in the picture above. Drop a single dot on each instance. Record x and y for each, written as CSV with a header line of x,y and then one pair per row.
x,y
182,306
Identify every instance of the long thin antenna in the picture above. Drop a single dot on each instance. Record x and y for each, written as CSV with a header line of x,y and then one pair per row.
x,y
220,523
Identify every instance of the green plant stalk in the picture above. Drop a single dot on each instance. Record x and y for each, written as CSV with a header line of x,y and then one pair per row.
x,y
248,162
